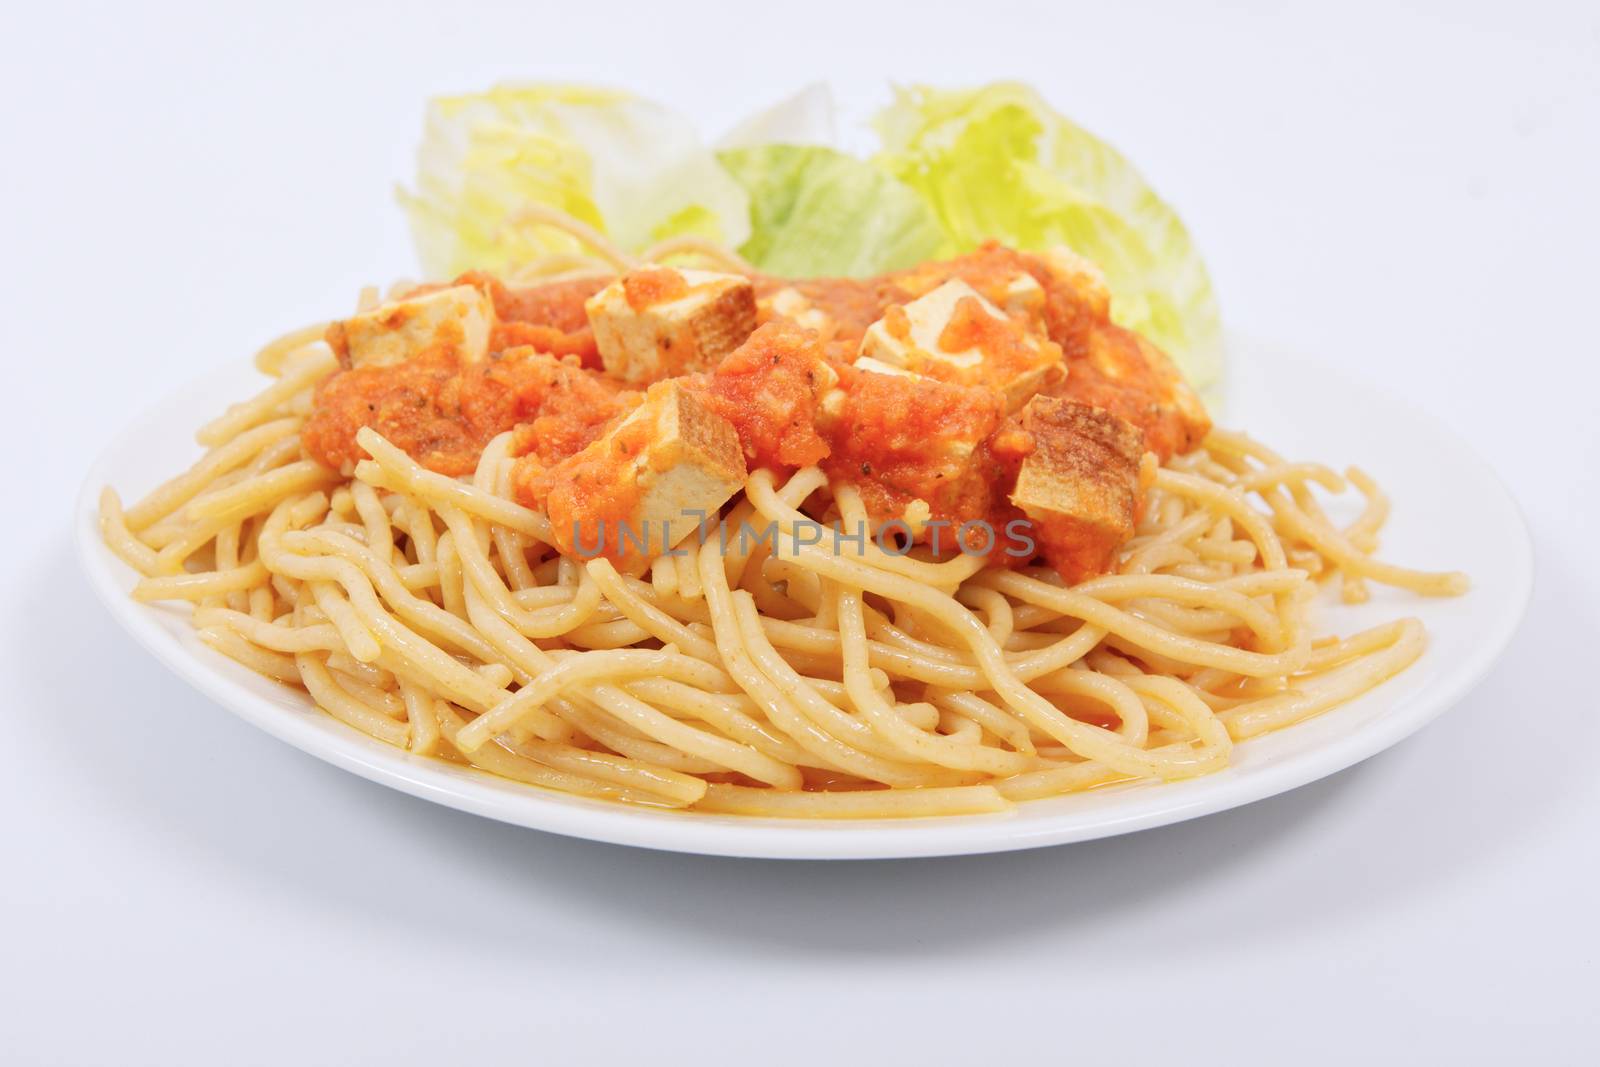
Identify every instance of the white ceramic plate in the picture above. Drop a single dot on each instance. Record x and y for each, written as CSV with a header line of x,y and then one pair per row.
x,y
1450,511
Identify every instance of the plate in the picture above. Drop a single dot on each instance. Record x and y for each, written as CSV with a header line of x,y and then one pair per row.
x,y
1450,512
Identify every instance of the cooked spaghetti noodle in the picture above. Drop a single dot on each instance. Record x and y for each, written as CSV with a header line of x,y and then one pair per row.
x,y
782,678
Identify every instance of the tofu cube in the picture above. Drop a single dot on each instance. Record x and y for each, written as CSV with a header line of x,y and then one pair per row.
x,y
907,339
660,322
458,319
636,491
1003,355
1083,485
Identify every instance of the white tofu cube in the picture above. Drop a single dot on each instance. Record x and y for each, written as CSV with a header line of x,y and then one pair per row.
x,y
458,319
912,341
917,338
661,322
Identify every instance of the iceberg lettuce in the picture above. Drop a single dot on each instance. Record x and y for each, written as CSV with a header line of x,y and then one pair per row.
x,y
814,211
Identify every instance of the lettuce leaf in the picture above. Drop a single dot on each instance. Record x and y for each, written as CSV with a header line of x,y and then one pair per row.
x,y
815,211
630,168
998,162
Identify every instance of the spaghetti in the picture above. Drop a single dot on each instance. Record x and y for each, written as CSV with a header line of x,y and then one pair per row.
x,y
784,678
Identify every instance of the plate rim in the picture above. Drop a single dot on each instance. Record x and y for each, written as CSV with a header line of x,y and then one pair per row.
x,y
1154,804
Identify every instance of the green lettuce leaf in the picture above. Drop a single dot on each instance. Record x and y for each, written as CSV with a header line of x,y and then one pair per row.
x,y
630,168
815,211
999,162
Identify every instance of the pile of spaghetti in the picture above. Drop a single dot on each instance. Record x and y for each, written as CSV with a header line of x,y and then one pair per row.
x,y
778,678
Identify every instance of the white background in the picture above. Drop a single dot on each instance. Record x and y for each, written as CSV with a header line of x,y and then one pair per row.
x,y
1411,195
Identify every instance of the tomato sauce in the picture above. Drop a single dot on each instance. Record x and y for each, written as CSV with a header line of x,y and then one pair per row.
x,y
900,439
769,388
647,288
548,316
558,304
442,413
591,496
852,304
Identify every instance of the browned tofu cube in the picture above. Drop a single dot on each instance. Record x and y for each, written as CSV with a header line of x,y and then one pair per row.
x,y
660,322
458,319
1083,486
646,485
1121,372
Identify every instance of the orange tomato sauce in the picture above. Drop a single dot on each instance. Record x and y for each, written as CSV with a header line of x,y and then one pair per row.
x,y
769,388
652,286
548,316
442,413
900,439
592,495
